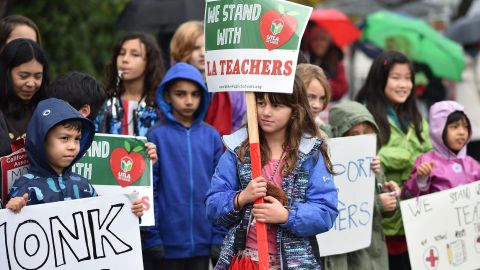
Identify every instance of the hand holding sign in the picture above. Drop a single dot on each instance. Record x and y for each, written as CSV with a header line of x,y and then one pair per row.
x,y
425,169
257,188
16,204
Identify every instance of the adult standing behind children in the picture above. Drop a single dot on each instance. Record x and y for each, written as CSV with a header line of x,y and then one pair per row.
x,y
387,94
189,150
226,110
132,76
18,26
23,80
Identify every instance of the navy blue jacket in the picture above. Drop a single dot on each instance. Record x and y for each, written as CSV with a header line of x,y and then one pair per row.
x,y
186,162
41,182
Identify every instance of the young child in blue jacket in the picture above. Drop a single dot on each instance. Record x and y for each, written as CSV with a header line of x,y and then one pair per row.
x,y
296,183
57,137
188,151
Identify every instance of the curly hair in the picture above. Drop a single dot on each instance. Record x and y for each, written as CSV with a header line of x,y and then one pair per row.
x,y
154,69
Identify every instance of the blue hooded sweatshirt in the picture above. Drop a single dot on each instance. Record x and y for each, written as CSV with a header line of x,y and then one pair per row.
x,y
187,158
42,183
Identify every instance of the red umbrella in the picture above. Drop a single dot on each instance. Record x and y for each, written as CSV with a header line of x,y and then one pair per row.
x,y
337,24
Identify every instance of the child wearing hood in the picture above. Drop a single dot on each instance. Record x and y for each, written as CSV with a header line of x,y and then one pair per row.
x,y
188,152
352,119
447,165
57,137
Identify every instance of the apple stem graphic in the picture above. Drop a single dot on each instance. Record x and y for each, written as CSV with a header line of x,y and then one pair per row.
x,y
129,149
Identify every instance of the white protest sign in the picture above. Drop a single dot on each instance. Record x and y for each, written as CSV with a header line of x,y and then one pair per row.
x,y
253,45
355,181
114,164
443,229
93,233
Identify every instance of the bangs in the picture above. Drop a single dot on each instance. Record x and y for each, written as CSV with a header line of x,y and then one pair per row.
x,y
457,116
277,99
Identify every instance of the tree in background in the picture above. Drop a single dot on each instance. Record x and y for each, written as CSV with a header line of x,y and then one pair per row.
x,y
76,35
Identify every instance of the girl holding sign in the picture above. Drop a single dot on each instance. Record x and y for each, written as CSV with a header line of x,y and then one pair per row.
x,y
296,183
387,94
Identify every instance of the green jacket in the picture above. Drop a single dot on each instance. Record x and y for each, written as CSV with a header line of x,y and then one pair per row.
x,y
343,117
397,158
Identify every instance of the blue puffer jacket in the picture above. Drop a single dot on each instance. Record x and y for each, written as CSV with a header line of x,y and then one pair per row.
x,y
186,161
312,198
41,182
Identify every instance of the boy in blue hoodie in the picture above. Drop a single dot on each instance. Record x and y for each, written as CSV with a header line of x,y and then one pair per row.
x,y
57,137
188,152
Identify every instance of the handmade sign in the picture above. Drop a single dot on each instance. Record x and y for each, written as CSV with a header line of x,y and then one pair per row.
x,y
443,229
355,181
113,164
253,45
93,233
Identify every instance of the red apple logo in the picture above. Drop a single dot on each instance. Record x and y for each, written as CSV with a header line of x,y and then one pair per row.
x,y
277,27
127,167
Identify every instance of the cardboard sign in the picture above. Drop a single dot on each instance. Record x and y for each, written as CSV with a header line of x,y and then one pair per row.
x,y
93,233
443,229
253,45
114,164
355,181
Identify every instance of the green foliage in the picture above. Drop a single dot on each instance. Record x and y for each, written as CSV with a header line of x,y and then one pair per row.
x,y
76,35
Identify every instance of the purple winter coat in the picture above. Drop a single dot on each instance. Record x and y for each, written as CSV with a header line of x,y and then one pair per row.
x,y
450,169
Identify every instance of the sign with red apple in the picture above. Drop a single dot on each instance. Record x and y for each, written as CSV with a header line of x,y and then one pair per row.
x,y
119,164
253,45
277,27
127,166
113,164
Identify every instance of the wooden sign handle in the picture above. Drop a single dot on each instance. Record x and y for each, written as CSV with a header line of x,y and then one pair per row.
x,y
262,243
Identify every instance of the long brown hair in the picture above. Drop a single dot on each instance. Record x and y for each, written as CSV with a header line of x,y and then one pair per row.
x,y
301,124
154,69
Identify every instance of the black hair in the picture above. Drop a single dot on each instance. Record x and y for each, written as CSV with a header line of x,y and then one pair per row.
x,y
372,94
78,89
16,53
8,24
452,118
75,124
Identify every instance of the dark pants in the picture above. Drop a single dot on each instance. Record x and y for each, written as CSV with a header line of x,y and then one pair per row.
x,y
197,263
399,262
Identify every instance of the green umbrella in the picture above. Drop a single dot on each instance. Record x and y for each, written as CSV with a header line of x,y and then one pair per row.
x,y
417,40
